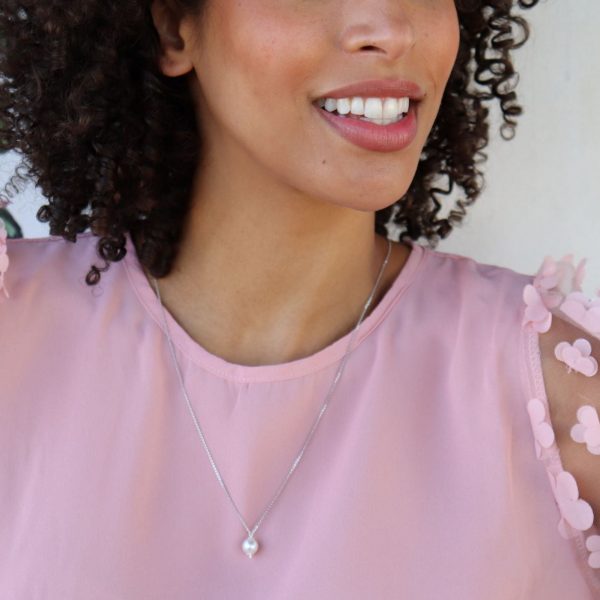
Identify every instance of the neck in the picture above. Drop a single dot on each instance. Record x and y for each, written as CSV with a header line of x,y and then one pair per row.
x,y
271,281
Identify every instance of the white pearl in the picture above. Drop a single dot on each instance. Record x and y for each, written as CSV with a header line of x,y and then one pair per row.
x,y
250,546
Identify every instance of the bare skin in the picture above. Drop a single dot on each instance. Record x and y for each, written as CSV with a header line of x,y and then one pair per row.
x,y
230,335
279,252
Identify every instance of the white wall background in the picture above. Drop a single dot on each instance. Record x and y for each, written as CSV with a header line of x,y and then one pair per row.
x,y
543,186
542,195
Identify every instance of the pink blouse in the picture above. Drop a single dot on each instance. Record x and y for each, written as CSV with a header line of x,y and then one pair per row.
x,y
434,473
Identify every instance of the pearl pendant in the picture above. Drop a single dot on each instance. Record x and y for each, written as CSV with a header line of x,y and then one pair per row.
x,y
250,546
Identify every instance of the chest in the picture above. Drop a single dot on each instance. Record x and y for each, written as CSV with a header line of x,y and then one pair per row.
x,y
386,503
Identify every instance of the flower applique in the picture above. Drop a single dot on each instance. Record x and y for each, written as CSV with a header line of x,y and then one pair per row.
x,y
575,512
577,356
537,314
593,545
542,431
587,430
555,279
583,311
4,262
557,288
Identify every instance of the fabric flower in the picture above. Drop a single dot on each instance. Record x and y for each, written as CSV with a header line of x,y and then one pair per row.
x,y
555,279
575,512
4,262
584,311
537,314
542,431
593,545
587,430
577,356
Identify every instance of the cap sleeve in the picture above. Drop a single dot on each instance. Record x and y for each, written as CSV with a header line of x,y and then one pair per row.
x,y
561,333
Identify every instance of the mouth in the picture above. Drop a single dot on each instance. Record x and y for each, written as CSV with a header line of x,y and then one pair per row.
x,y
379,111
378,124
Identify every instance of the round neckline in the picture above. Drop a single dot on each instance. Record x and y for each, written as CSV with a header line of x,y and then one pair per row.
x,y
220,367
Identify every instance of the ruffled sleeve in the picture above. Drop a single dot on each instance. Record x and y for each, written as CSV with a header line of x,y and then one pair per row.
x,y
555,294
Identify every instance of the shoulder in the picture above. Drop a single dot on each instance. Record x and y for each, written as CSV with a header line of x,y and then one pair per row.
x,y
469,276
41,264
481,295
45,283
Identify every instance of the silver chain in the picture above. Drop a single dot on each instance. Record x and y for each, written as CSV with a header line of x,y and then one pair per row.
x,y
250,546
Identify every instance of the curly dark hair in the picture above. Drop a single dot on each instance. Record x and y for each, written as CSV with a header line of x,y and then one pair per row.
x,y
113,143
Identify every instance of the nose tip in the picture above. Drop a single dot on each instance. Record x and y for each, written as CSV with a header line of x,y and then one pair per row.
x,y
389,36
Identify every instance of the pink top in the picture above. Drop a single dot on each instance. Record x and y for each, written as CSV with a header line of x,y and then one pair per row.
x,y
431,475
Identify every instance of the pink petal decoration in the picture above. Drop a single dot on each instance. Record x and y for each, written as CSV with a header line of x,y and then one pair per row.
x,y
556,279
575,512
583,311
577,356
542,432
587,431
547,275
536,313
593,545
4,261
579,275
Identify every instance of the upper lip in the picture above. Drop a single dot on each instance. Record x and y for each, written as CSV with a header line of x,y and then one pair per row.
x,y
378,88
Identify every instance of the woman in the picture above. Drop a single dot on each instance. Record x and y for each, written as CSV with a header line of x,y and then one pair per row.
x,y
265,374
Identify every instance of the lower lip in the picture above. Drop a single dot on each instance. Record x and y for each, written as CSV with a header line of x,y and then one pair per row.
x,y
379,138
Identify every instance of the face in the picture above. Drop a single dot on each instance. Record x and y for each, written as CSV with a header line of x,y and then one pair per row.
x,y
261,67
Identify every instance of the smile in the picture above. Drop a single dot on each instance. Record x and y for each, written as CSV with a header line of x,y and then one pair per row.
x,y
376,124
381,111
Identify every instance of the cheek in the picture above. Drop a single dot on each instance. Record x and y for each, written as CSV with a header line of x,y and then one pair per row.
x,y
265,43
237,68
439,43
253,70
444,41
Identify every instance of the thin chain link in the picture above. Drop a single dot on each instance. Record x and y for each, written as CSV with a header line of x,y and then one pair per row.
x,y
309,437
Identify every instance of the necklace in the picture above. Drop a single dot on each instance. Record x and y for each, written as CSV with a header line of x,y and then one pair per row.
x,y
250,544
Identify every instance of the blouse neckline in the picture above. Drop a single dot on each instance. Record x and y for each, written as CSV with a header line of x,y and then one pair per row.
x,y
220,367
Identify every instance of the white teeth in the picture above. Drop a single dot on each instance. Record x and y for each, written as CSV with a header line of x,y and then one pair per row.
x,y
330,104
378,109
390,108
343,106
374,108
382,121
357,106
